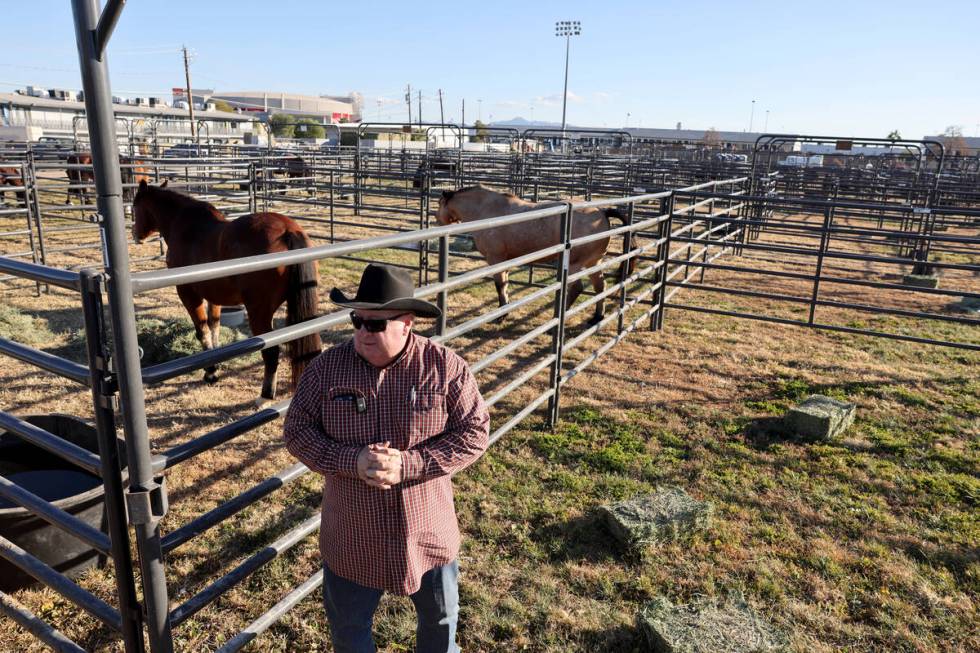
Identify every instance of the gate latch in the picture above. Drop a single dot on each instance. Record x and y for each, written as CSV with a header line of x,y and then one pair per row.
x,y
147,505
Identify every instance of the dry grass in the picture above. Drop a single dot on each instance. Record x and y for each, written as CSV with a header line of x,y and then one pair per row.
x,y
864,545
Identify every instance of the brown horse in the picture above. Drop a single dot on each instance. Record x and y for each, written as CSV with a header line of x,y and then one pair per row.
x,y
510,241
12,177
134,171
78,176
196,232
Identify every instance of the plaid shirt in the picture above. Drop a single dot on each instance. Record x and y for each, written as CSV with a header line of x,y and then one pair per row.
x,y
428,405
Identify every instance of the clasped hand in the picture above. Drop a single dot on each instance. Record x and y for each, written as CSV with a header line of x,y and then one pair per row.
x,y
380,465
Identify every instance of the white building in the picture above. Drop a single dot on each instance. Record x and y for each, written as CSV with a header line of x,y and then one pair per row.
x,y
53,117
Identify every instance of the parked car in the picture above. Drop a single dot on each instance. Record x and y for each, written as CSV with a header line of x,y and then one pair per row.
x,y
53,147
186,150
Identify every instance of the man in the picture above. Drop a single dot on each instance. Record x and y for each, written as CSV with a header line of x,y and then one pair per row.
x,y
387,417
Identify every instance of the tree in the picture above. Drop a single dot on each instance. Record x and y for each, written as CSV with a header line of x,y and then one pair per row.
x,y
309,128
893,135
481,132
711,138
221,105
953,141
283,124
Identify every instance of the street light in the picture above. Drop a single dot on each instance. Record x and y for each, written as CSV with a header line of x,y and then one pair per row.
x,y
568,29
751,116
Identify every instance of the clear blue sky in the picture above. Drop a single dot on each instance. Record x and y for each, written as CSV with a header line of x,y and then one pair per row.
x,y
855,67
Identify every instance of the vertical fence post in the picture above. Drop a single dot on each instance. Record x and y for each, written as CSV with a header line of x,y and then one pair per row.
x,y
29,200
561,296
657,320
104,400
443,299
424,224
624,268
253,204
357,180
828,219
331,205
145,494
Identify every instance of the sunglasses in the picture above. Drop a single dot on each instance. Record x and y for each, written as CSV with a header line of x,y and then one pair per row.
x,y
373,324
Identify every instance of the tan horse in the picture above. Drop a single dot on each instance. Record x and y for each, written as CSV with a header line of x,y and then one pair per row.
x,y
510,241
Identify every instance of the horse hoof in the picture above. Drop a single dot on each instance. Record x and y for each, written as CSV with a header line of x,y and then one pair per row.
x,y
262,402
210,378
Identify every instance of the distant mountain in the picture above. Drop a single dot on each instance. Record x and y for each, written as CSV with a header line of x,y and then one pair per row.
x,y
525,123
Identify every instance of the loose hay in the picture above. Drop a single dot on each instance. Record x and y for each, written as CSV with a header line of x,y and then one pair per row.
x,y
170,339
706,627
668,515
23,328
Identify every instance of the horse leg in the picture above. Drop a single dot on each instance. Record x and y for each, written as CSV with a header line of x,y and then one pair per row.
x,y
598,285
214,325
194,304
500,281
260,321
574,290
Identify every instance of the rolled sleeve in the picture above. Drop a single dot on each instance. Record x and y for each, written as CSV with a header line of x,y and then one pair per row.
x,y
304,434
466,437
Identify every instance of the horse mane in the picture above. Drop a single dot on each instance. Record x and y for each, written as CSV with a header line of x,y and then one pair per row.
x,y
184,201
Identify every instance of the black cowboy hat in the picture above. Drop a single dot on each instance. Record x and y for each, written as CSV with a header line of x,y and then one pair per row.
x,y
385,288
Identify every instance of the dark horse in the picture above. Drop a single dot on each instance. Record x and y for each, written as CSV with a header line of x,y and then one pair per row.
x,y
196,232
12,177
296,167
438,169
77,176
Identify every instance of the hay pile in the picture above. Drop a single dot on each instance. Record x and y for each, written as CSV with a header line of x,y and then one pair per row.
x,y
173,338
667,515
707,627
23,328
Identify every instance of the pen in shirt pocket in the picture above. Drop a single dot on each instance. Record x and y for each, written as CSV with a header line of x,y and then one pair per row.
x,y
411,397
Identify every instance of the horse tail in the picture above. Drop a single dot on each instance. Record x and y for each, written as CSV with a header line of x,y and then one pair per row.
x,y
301,305
630,263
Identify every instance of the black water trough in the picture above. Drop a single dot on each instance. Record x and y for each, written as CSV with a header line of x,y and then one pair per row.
x,y
75,491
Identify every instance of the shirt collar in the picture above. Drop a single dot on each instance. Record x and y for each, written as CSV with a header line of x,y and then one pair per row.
x,y
410,345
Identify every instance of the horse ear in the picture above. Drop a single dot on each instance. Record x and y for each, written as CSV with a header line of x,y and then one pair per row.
x,y
447,195
164,184
142,185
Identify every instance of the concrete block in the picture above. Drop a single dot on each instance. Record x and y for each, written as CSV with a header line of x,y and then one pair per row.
x,y
967,305
921,280
706,627
820,418
667,515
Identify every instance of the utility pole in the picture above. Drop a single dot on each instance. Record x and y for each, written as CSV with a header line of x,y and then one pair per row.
x,y
420,109
442,118
408,101
190,98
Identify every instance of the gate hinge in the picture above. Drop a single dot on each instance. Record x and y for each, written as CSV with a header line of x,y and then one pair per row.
x,y
109,401
147,505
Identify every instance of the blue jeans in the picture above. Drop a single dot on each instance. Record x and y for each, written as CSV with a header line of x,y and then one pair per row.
x,y
350,610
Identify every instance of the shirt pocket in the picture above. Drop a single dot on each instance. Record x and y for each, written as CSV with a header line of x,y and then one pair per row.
x,y
342,419
426,416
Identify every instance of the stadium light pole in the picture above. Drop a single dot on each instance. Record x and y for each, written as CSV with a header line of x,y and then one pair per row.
x,y
568,29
